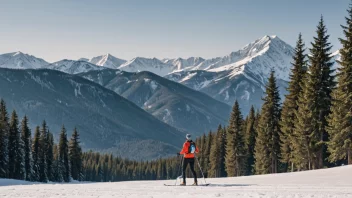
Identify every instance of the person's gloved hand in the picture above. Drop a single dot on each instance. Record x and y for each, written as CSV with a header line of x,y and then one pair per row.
x,y
178,154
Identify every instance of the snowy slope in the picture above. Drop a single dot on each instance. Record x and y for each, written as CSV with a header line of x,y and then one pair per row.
x,y
19,60
148,64
327,183
107,60
181,63
73,66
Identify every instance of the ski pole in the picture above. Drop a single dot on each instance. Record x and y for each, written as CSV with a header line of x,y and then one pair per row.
x,y
205,182
181,163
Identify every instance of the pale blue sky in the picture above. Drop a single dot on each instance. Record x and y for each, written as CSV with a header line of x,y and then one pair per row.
x,y
54,30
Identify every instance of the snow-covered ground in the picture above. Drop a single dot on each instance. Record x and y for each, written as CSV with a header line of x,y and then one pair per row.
x,y
329,183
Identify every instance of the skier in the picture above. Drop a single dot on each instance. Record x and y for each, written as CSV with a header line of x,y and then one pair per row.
x,y
188,150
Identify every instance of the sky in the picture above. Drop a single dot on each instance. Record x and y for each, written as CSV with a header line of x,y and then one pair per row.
x,y
72,29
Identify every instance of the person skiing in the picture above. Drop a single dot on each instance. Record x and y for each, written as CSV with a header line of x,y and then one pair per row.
x,y
188,151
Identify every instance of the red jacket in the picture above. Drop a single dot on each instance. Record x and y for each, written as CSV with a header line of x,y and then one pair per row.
x,y
184,150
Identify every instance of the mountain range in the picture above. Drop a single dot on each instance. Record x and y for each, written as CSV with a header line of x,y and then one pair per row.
x,y
240,75
194,95
106,121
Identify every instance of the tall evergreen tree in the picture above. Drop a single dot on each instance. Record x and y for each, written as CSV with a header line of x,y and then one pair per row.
x,y
290,105
215,155
340,119
64,164
314,104
235,152
50,155
321,54
207,148
56,171
250,138
15,148
27,147
267,147
4,131
75,153
222,142
36,155
43,167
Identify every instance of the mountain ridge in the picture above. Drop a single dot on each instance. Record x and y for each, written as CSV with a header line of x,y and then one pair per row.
x,y
171,102
106,121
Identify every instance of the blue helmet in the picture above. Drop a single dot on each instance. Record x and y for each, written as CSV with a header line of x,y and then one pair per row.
x,y
188,137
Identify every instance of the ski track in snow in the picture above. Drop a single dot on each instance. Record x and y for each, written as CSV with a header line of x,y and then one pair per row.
x,y
327,183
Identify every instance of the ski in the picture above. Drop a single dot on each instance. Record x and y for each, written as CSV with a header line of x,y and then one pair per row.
x,y
187,185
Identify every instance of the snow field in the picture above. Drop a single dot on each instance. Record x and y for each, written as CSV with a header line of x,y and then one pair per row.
x,y
327,183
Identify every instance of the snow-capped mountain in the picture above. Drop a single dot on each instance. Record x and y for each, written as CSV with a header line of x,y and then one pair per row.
x,y
19,60
181,63
148,64
259,57
73,66
107,60
241,75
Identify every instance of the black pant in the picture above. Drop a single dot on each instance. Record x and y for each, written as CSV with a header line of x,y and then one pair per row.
x,y
189,161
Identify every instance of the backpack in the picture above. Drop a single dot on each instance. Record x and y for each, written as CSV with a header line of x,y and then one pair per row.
x,y
192,147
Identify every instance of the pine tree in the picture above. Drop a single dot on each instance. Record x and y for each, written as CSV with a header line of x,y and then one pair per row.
x,y
50,155
290,105
43,166
13,145
235,152
15,149
27,148
215,155
321,55
222,142
208,145
36,155
56,171
267,147
64,164
340,119
4,131
251,135
314,104
75,153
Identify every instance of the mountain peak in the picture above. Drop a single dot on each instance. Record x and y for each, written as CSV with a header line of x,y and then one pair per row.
x,y
107,60
269,37
20,60
154,65
83,59
17,53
